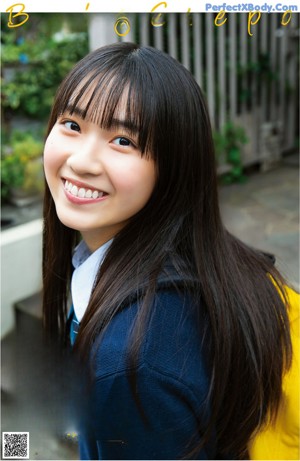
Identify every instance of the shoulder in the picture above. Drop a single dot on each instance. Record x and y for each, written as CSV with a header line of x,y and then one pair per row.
x,y
176,336
174,340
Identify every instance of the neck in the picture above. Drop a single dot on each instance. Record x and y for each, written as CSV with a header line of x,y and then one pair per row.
x,y
95,239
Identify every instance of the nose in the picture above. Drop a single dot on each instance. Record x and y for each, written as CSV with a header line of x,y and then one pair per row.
x,y
85,158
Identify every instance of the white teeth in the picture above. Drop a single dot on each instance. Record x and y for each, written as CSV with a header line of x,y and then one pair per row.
x,y
82,192
74,191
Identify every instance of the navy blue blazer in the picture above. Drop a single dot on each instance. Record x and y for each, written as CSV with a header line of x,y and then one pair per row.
x,y
172,385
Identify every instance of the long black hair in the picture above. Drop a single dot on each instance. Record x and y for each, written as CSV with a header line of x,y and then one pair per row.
x,y
250,342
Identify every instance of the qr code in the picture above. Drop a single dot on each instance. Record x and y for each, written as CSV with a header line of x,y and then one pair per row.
x,y
15,445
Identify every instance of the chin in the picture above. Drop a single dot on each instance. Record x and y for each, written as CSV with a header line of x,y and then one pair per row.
x,y
67,221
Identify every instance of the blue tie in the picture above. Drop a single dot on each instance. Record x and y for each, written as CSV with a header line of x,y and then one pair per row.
x,y
74,326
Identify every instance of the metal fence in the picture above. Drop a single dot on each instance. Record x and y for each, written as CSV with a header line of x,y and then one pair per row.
x,y
252,81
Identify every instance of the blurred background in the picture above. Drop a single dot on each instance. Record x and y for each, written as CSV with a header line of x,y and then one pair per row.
x,y
252,87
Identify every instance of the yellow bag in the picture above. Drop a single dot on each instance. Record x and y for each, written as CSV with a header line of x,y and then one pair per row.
x,y
280,441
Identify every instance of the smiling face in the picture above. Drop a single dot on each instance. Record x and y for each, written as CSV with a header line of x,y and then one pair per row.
x,y
97,176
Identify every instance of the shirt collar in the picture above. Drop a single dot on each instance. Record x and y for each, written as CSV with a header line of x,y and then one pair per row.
x,y
81,253
86,266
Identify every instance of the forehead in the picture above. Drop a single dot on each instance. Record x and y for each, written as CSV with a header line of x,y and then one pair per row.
x,y
103,105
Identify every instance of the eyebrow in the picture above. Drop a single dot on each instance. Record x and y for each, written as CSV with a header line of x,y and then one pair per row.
x,y
128,125
75,110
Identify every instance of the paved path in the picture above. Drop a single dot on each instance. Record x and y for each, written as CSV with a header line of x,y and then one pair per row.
x,y
264,212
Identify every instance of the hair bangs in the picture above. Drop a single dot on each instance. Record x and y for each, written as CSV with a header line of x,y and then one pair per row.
x,y
109,95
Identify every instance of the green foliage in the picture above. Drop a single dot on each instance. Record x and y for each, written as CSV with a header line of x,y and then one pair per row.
x,y
46,63
35,59
256,71
14,49
21,163
228,142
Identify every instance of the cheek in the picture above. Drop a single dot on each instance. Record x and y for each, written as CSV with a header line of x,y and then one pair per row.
x,y
52,157
137,179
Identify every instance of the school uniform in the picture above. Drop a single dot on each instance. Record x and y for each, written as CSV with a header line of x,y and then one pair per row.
x,y
172,376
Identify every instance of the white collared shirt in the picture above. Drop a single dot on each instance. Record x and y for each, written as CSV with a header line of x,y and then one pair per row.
x,y
86,266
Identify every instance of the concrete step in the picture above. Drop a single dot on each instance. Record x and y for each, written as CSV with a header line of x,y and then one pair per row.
x,y
31,306
28,315
35,387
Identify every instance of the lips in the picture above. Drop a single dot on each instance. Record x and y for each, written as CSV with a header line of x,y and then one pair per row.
x,y
82,192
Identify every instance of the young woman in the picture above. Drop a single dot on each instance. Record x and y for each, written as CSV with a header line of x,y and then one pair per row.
x,y
182,333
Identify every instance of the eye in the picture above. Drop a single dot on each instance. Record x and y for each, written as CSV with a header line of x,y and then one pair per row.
x,y
120,141
70,125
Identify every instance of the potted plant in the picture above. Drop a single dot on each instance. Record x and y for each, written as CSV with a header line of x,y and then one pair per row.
x,y
22,169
